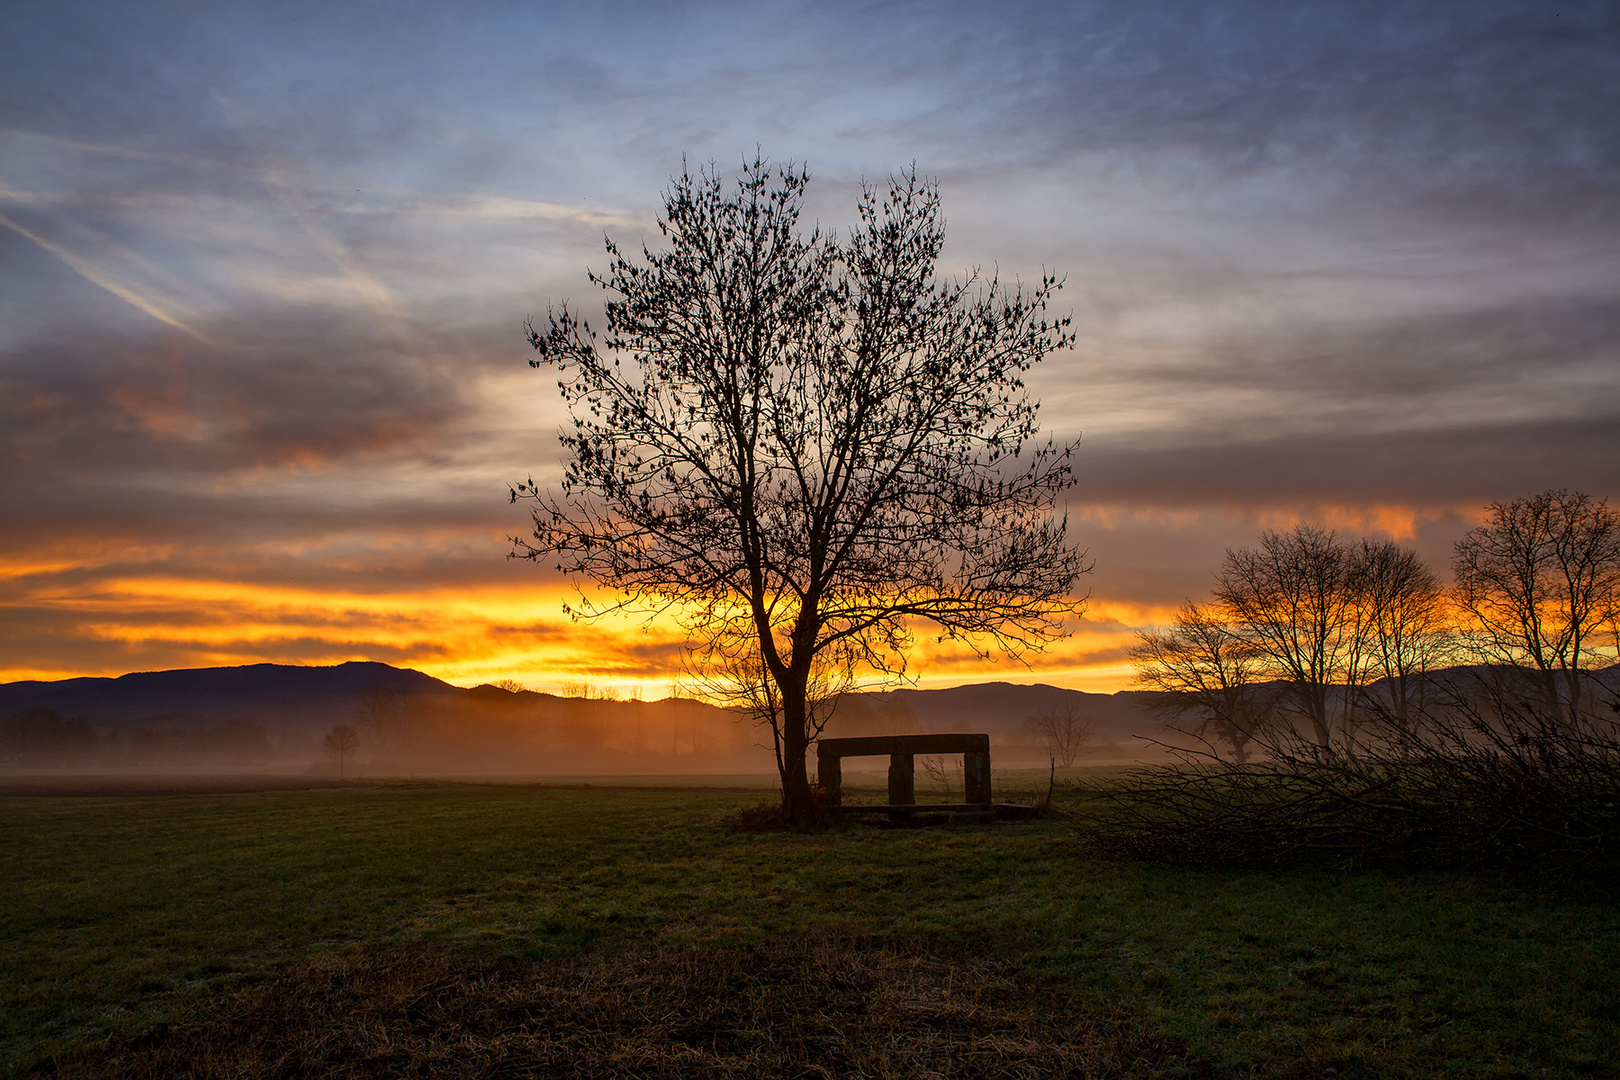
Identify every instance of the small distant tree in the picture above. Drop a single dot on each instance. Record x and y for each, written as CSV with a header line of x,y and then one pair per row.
x,y
1540,582
511,686
341,744
1062,731
585,690
939,770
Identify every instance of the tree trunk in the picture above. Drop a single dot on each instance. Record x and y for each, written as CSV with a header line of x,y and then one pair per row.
x,y
798,799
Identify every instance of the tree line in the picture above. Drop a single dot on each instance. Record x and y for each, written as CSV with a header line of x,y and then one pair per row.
x,y
1312,632
43,737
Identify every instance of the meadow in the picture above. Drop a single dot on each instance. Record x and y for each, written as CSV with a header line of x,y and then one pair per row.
x,y
481,929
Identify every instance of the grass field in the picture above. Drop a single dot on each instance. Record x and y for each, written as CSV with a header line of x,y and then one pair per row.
x,y
459,929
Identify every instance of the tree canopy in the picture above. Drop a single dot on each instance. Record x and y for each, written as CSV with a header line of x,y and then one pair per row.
x,y
804,447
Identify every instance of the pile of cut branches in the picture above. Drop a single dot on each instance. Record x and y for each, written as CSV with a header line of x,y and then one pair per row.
x,y
1484,779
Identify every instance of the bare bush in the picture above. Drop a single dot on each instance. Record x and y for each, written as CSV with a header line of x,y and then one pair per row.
x,y
941,772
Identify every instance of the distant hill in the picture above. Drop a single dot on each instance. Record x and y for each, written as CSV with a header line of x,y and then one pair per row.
x,y
256,691
282,712
291,707
264,690
1003,708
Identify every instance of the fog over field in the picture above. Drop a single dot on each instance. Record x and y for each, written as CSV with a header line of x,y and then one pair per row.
x,y
275,718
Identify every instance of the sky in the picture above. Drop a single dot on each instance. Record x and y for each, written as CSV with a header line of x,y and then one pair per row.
x,y
265,268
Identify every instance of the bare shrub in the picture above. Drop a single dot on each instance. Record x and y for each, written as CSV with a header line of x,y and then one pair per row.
x,y
762,817
941,771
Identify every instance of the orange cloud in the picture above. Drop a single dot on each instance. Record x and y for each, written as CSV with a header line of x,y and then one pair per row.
x,y
439,599
464,634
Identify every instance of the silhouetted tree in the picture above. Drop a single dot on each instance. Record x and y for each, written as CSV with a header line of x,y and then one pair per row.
x,y
1404,623
1293,600
1062,731
383,711
803,447
1540,582
1203,666
1346,629
341,743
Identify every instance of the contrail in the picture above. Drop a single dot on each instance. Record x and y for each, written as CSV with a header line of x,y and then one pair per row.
x,y
370,288
95,277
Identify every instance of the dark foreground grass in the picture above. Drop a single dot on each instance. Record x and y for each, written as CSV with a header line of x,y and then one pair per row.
x,y
467,930
817,1009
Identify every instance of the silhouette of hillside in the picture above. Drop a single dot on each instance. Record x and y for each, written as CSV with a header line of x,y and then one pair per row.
x,y
218,693
264,712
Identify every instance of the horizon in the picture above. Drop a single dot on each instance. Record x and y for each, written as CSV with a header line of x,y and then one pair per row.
x,y
589,691
264,274
874,689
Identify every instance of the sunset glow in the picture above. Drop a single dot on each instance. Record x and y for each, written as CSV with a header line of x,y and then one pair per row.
x,y
263,377
326,603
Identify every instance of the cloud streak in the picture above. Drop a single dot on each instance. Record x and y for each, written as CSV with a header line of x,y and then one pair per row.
x,y
135,297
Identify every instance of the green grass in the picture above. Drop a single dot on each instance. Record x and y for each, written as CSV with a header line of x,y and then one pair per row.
x,y
120,912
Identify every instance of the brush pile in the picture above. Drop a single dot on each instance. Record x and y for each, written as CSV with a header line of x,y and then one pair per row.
x,y
1486,779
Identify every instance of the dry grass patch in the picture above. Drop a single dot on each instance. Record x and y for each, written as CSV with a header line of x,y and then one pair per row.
x,y
819,1009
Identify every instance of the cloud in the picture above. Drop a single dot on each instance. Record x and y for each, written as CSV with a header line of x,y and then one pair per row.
x,y
1472,109
279,394
505,209
1352,261
1483,462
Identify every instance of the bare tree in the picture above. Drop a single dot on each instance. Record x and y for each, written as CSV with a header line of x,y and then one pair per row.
x,y
1540,582
341,743
1293,600
1062,731
1404,623
1204,667
383,712
803,448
